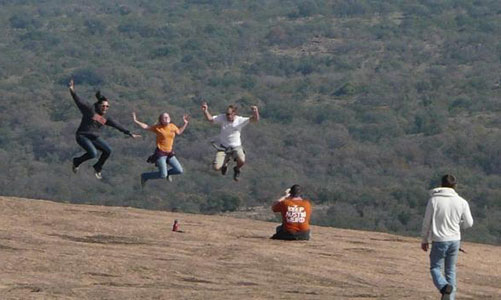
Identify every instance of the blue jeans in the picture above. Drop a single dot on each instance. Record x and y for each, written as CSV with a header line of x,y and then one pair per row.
x,y
91,146
444,254
162,169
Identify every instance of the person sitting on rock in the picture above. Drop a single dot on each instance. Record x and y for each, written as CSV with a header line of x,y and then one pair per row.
x,y
296,213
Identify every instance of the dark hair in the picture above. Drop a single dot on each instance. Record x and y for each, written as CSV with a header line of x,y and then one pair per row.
x,y
449,181
100,98
296,190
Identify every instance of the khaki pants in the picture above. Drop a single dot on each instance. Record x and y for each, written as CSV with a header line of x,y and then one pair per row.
x,y
223,157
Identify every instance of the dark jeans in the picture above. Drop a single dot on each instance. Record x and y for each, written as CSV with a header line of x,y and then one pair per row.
x,y
289,236
91,146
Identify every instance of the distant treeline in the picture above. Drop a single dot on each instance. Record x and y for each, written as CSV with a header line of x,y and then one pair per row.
x,y
365,103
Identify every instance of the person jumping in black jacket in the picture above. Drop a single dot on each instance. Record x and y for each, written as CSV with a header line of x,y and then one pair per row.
x,y
87,135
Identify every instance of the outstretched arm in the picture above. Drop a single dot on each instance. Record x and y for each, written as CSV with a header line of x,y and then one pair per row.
x,y
112,123
141,124
255,114
205,110
186,119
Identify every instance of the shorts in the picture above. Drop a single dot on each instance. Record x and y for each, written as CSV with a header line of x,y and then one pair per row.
x,y
225,156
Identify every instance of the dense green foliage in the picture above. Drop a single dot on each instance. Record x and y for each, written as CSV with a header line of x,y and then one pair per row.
x,y
366,103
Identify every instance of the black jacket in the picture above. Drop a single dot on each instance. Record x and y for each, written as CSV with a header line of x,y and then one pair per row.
x,y
91,121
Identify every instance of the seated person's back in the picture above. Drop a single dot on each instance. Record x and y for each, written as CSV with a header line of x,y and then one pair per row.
x,y
296,213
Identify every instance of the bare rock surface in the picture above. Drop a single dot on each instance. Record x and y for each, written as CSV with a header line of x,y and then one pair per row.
x,y
64,251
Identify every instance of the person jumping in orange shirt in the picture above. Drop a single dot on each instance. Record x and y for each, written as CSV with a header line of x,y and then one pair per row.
x,y
163,155
296,213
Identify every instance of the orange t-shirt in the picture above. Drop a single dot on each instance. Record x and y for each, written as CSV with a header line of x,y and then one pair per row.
x,y
295,214
165,136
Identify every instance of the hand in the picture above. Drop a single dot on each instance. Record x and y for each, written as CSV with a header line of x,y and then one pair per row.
x,y
71,85
254,108
205,107
186,118
424,246
135,136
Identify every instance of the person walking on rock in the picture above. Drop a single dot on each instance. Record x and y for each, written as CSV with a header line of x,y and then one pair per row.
x,y
446,213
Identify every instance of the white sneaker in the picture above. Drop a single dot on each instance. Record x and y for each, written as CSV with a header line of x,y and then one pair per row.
x,y
98,175
169,178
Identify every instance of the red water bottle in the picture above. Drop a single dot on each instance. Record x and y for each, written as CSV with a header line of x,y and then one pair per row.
x,y
175,226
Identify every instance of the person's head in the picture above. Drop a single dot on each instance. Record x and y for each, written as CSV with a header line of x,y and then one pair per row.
x,y
295,190
102,103
231,112
164,119
449,181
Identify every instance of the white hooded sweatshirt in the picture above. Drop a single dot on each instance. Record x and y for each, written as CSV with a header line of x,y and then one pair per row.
x,y
445,213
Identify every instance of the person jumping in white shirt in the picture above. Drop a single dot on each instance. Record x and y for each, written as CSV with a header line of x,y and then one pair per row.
x,y
229,145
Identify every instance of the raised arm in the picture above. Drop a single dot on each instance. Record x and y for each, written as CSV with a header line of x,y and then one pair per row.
x,y
141,124
71,86
255,114
205,110
83,106
186,119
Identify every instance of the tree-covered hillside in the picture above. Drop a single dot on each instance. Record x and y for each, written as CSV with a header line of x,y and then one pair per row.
x,y
366,103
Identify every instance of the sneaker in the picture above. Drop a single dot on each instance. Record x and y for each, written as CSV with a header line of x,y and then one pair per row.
x,y
446,292
224,169
74,167
169,178
143,182
446,297
236,173
98,175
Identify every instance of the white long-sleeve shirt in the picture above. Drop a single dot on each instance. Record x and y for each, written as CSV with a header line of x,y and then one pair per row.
x,y
445,213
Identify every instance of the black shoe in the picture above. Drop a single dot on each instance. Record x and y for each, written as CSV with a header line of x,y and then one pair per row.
x,y
74,168
446,292
236,173
224,169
